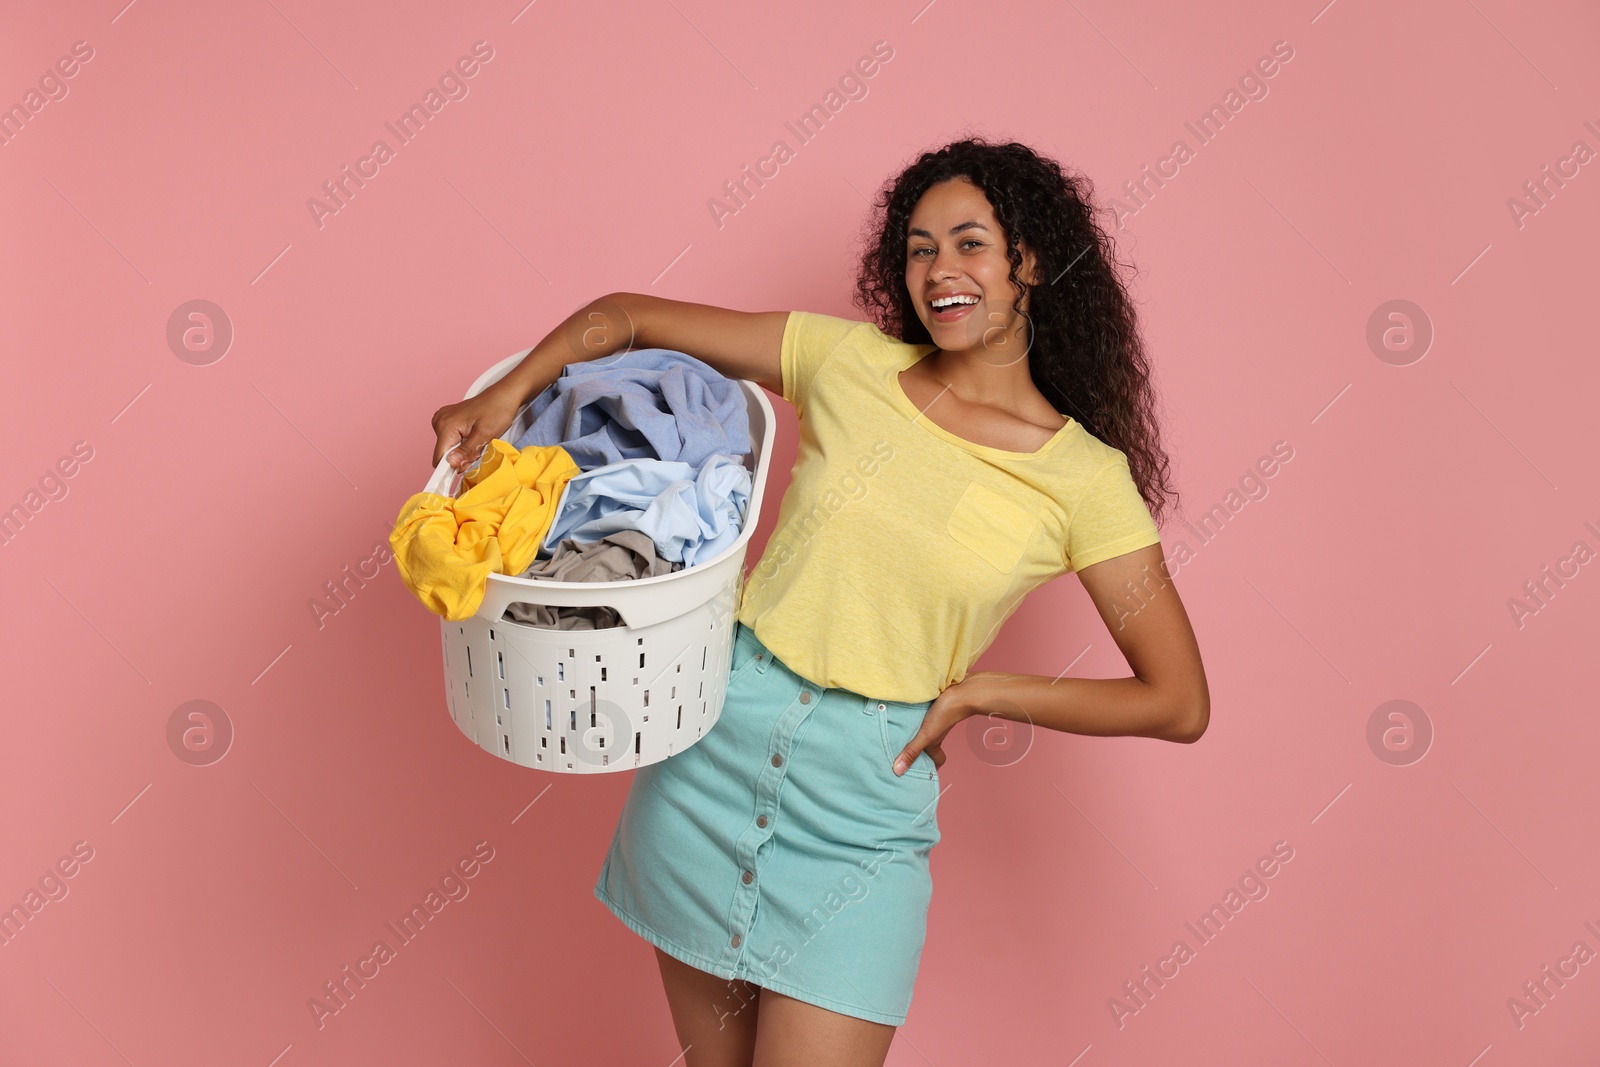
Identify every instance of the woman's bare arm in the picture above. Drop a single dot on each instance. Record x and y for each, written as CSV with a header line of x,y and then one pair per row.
x,y
1167,697
737,344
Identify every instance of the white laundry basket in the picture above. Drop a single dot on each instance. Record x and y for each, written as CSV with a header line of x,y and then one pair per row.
x,y
592,701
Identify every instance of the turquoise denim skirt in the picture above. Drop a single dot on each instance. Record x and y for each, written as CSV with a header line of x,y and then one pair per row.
x,y
781,848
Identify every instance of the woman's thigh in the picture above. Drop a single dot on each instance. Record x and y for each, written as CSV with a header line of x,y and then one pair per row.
x,y
715,1018
793,1033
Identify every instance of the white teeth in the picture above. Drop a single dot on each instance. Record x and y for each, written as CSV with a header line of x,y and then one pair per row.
x,y
946,301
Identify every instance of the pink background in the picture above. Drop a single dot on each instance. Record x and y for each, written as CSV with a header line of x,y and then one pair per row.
x,y
220,498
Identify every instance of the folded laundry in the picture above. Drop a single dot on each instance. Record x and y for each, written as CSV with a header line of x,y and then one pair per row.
x,y
690,515
652,403
616,557
446,548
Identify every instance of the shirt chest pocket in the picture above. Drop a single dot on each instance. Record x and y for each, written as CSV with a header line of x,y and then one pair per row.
x,y
997,530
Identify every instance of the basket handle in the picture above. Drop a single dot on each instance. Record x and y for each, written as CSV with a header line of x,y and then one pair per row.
x,y
446,480
647,601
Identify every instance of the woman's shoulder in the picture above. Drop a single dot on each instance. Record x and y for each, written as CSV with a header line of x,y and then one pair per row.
x,y
1084,459
840,329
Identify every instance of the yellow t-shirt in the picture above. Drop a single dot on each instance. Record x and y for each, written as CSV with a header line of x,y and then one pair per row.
x,y
900,548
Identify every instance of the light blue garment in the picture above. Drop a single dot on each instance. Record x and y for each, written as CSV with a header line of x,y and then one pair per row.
x,y
652,403
781,848
690,515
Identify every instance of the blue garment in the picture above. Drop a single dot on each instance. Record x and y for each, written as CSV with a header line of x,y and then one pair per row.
x,y
781,847
691,516
652,403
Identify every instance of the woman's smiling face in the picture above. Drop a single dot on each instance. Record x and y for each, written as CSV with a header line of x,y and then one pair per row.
x,y
955,247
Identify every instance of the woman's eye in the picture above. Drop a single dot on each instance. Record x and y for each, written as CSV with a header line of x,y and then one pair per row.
x,y
969,241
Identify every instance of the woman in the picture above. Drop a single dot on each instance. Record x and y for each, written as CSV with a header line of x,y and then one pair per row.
x,y
989,431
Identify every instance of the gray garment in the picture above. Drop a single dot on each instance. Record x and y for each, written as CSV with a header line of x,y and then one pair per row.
x,y
616,557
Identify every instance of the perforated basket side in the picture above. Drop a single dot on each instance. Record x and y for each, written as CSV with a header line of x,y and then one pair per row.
x,y
595,701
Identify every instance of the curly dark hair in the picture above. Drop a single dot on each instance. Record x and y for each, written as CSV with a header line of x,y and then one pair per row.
x,y
1085,353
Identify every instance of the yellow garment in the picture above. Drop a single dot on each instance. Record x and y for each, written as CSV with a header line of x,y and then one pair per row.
x,y
446,548
900,548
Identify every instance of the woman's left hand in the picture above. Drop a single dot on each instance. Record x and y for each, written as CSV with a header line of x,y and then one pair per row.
x,y
955,703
